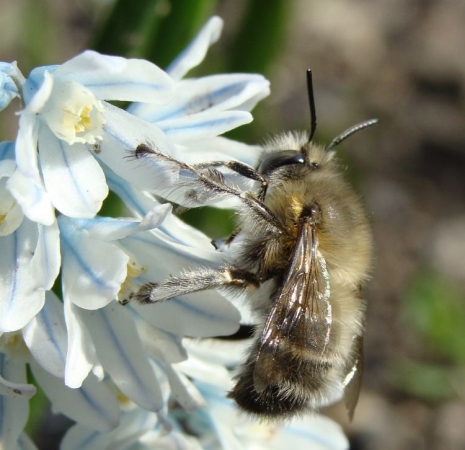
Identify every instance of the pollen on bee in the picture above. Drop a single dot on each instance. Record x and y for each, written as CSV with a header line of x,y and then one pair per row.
x,y
296,206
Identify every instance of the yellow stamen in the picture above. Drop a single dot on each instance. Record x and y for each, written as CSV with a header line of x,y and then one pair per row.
x,y
134,270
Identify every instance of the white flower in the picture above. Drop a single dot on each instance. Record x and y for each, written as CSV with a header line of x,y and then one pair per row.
x,y
11,214
64,110
30,259
200,110
9,76
126,375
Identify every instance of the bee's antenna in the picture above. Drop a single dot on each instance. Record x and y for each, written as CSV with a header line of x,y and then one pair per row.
x,y
343,136
311,101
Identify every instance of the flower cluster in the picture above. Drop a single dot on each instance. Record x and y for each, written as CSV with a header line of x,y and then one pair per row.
x,y
128,376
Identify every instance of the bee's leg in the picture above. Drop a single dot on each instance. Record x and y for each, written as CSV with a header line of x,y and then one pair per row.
x,y
226,278
242,169
214,182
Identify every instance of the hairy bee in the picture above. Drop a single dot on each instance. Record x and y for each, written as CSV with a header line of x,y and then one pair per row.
x,y
305,249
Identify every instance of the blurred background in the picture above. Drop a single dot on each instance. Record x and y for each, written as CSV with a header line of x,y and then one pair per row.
x,y
401,61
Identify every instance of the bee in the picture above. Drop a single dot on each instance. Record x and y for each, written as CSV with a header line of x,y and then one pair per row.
x,y
303,251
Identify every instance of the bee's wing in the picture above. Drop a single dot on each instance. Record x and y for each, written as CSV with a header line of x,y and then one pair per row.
x,y
300,320
353,377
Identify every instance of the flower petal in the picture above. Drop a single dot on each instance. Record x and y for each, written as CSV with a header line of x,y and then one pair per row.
x,y
92,270
117,78
81,351
199,314
160,344
74,180
92,405
229,353
46,337
11,214
37,90
206,95
219,149
172,440
26,147
134,423
15,409
120,351
311,431
195,52
123,132
45,264
109,228
184,392
33,198
17,390
139,203
20,301
188,129
8,88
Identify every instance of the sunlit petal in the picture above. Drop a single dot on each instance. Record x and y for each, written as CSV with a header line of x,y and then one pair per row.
x,y
92,405
46,337
11,214
8,88
187,129
204,95
16,390
45,264
109,228
117,78
92,270
20,301
123,132
195,52
33,198
74,180
81,351
134,424
14,408
184,392
26,147
120,351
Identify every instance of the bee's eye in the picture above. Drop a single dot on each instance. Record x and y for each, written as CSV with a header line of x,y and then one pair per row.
x,y
280,159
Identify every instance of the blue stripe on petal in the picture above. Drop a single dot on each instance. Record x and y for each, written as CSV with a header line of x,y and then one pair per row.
x,y
140,204
198,96
93,404
121,353
46,336
92,269
67,245
184,130
74,180
20,300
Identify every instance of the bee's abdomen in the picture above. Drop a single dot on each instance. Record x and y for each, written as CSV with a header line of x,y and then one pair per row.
x,y
294,385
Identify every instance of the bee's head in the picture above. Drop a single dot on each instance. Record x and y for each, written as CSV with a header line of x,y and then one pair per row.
x,y
291,153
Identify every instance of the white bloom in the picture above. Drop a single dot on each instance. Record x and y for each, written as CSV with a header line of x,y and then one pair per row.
x,y
126,375
9,76
30,259
73,113
11,214
64,111
200,110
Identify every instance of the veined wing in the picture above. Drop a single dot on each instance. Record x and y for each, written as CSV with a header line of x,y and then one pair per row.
x,y
300,320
